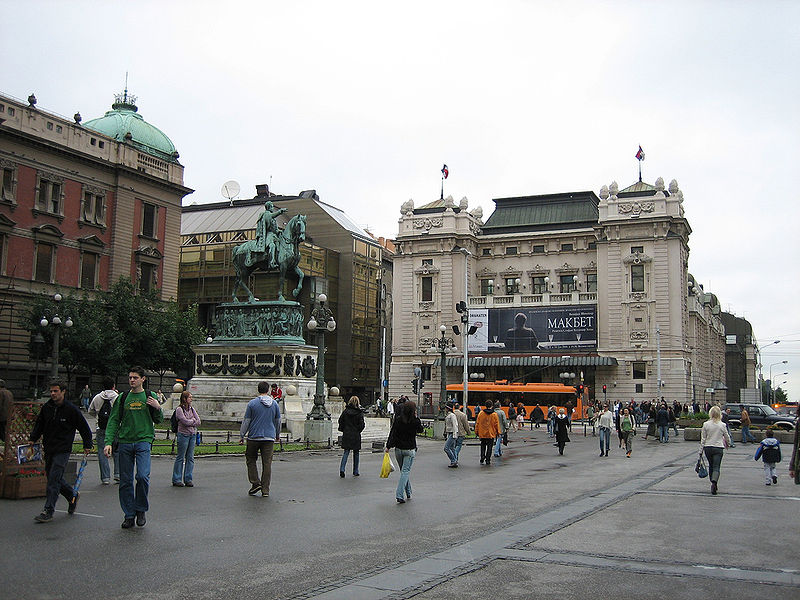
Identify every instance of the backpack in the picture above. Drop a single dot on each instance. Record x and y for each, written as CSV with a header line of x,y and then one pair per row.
x,y
772,454
103,414
173,421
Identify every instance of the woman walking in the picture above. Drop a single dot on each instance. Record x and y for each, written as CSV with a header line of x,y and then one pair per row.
x,y
188,421
627,425
351,424
713,440
746,435
403,438
561,427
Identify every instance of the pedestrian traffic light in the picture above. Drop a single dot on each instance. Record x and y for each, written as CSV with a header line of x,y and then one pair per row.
x,y
421,383
414,385
604,388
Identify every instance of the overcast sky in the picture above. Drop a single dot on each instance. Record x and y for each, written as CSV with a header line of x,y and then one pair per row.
x,y
364,102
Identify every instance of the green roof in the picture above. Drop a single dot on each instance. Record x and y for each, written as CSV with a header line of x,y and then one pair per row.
x,y
123,123
535,213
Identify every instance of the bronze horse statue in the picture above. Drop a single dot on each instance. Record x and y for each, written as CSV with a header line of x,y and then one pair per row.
x,y
287,252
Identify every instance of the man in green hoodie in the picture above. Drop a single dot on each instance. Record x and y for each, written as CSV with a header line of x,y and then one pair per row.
x,y
131,420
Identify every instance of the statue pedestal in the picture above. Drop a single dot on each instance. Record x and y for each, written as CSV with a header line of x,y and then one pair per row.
x,y
318,432
438,430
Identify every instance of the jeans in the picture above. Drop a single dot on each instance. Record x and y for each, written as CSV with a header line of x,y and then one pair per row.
x,y
714,458
54,465
185,457
449,446
769,472
405,458
746,434
344,461
266,448
663,433
457,447
134,500
105,469
605,438
550,427
498,444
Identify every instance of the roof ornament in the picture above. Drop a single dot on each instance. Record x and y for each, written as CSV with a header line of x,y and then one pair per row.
x,y
407,207
604,192
32,100
78,118
660,184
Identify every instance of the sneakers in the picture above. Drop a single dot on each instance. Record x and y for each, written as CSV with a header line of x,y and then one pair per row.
x,y
356,474
189,484
106,482
774,479
43,517
265,494
399,501
255,489
73,504
127,523
177,484
141,520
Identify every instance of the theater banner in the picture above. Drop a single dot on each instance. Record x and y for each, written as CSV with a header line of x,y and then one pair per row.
x,y
541,329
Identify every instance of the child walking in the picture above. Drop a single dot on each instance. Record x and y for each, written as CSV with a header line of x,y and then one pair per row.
x,y
769,450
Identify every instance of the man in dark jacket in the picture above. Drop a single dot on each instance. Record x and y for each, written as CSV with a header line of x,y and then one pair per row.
x,y
56,424
662,421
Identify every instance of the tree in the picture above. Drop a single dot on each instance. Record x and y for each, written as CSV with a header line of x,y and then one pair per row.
x,y
781,397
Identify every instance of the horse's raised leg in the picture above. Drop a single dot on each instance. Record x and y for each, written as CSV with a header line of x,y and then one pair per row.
x,y
300,276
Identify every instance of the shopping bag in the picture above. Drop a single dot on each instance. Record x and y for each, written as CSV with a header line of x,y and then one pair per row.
x,y
79,478
386,466
392,466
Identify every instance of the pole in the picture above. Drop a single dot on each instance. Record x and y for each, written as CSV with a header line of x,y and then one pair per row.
x,y
658,354
466,326
441,196
381,388
56,336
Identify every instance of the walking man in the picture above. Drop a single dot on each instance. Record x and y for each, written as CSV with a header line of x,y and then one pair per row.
x,y
501,417
451,432
487,428
56,424
261,426
605,422
463,431
101,407
131,421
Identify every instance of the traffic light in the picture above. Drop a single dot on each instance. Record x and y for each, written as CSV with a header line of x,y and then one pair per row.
x,y
414,385
579,387
461,306
421,383
604,388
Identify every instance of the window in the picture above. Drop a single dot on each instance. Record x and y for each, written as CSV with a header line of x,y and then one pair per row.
x,y
426,372
639,370
486,252
101,143
539,285
50,126
94,207
637,278
59,129
486,287
511,250
591,282
512,286
11,111
427,289
567,283
637,249
567,247
49,199
88,270
592,245
147,276
149,220
8,191
538,249
427,261
45,254
639,388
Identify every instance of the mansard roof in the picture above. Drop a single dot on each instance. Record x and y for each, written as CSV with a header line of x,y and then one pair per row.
x,y
569,210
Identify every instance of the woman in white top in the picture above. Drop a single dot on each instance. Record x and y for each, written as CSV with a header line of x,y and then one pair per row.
x,y
713,441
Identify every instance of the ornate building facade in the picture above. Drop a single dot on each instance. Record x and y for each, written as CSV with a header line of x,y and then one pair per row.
x,y
595,285
82,205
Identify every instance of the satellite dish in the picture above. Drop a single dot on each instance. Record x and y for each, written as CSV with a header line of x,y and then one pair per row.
x,y
230,189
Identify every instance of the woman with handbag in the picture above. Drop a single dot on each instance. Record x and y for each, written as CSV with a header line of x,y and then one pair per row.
x,y
403,438
351,424
714,439
188,421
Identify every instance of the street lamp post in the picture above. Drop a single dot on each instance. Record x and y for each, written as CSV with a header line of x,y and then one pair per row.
x,y
57,323
442,344
321,321
38,342
771,387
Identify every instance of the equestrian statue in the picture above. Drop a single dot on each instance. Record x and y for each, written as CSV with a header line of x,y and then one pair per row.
x,y
273,248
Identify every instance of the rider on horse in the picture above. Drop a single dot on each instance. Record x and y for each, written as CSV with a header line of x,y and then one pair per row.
x,y
266,233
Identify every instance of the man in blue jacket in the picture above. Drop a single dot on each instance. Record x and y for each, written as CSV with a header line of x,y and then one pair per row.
x,y
261,426
56,424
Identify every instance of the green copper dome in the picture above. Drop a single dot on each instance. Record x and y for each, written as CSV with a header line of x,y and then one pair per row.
x,y
125,124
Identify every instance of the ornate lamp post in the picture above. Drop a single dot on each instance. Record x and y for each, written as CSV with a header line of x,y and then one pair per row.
x,y
321,321
443,346
57,323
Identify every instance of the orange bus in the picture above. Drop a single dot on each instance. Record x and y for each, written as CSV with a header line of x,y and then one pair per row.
x,y
543,395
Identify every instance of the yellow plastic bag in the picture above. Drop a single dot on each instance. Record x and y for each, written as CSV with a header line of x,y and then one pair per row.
x,y
386,466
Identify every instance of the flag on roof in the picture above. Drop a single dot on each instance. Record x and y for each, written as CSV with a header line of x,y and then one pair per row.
x,y
445,171
640,154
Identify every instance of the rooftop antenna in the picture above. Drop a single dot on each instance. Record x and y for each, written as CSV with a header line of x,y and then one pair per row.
x,y
230,189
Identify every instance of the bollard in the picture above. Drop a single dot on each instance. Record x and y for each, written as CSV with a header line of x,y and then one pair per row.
x,y
217,444
229,437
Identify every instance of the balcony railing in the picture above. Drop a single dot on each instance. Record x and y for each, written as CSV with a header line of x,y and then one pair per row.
x,y
534,299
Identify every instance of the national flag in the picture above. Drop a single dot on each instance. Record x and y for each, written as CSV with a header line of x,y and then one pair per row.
x,y
445,171
640,154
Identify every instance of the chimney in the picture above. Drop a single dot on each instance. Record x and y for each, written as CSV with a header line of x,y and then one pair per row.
x,y
262,190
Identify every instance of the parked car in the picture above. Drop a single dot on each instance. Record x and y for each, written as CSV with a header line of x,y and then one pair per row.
x,y
761,415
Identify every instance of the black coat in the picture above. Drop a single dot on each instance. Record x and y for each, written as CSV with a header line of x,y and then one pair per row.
x,y
562,429
351,424
57,425
403,434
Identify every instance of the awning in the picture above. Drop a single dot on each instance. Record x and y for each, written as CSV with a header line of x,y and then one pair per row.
x,y
531,361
